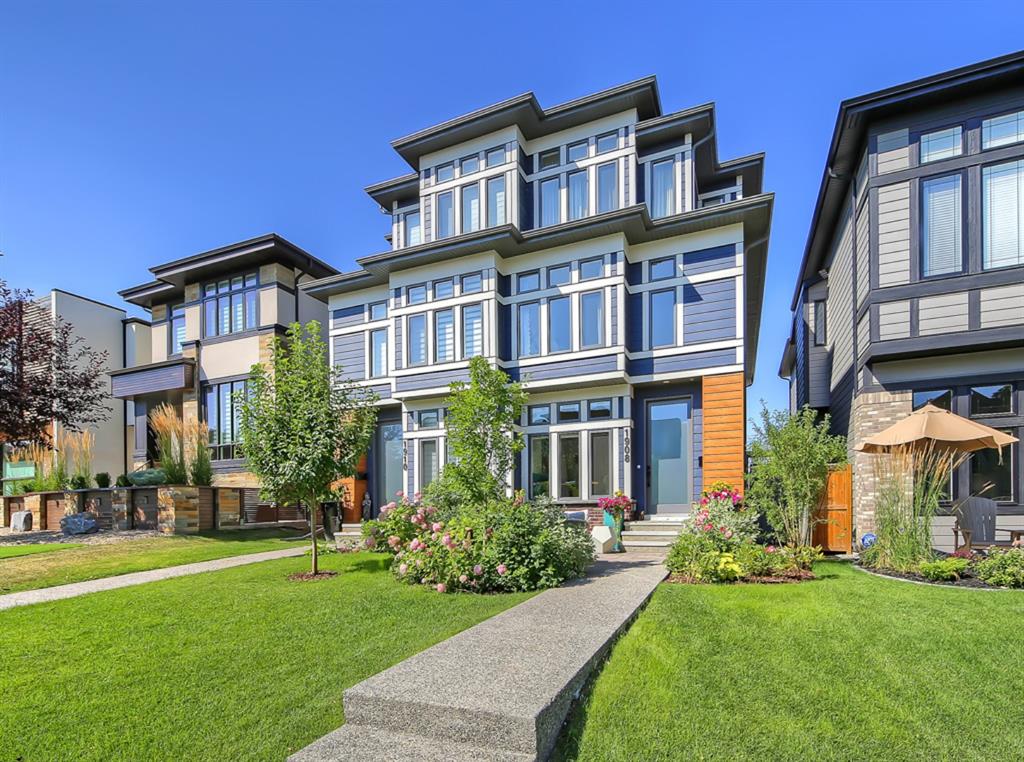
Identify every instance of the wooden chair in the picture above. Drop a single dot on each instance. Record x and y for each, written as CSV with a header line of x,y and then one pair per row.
x,y
976,522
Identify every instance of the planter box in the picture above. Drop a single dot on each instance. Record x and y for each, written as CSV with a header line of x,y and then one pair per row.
x,y
184,510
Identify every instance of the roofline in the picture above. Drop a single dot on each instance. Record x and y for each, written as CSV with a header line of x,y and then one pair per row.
x,y
273,238
865,104
97,302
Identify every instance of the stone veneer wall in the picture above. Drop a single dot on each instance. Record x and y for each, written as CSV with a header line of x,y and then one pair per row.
x,y
872,412
178,510
229,508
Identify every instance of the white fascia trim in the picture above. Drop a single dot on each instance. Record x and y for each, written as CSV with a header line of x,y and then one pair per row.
x,y
686,374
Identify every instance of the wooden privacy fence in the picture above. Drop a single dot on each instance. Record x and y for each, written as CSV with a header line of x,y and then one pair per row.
x,y
834,533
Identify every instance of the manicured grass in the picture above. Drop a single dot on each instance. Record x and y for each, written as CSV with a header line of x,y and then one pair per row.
x,y
235,664
16,551
109,559
846,667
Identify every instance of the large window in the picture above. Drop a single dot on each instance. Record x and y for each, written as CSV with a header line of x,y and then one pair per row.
x,y
413,235
568,465
445,215
470,208
592,319
429,465
559,325
472,331
941,225
600,463
222,412
663,318
444,336
378,353
496,201
663,188
579,195
529,329
1002,208
607,187
1002,130
991,476
177,326
539,448
230,305
550,202
991,400
941,144
417,339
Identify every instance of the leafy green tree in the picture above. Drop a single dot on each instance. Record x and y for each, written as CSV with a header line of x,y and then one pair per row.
x,y
481,426
302,425
790,456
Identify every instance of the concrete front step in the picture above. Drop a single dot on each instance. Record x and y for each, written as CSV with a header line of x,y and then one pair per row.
x,y
653,533
368,743
646,544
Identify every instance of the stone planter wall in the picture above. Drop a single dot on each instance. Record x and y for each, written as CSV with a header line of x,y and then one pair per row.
x,y
120,509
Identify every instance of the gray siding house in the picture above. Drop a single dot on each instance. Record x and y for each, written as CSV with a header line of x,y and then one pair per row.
x,y
598,251
911,288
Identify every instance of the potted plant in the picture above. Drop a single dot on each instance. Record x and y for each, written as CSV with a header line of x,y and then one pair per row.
x,y
615,509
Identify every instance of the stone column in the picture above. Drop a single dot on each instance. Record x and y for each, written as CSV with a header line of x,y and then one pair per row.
x,y
873,412
120,507
34,504
178,510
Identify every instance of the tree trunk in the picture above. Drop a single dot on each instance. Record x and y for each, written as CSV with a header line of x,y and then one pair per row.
x,y
314,509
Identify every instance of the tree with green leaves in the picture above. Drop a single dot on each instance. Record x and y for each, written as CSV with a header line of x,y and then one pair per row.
x,y
790,456
302,425
482,437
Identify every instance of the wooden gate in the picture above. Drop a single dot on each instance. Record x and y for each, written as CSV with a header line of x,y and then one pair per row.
x,y
834,533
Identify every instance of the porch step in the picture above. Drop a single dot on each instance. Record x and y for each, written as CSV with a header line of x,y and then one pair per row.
x,y
627,544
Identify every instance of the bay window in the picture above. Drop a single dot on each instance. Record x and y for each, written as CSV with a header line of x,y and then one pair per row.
x,y
592,319
607,187
550,202
470,208
663,188
529,329
472,331
230,305
1002,209
941,226
559,325
496,201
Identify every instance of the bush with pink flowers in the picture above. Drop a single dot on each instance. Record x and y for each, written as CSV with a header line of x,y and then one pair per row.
x,y
722,512
503,546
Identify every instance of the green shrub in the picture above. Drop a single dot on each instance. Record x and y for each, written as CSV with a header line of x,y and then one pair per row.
x,y
123,481
944,569
79,481
698,557
761,561
150,477
1003,568
802,557
102,480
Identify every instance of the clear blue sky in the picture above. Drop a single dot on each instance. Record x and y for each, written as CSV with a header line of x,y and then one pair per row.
x,y
139,133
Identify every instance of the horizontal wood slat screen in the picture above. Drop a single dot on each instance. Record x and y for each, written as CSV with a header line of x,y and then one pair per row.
x,y
724,421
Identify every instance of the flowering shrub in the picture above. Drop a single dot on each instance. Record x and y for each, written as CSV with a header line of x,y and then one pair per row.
x,y
723,515
506,545
695,557
616,505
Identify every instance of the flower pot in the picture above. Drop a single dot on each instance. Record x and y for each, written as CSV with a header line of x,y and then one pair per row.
x,y
614,522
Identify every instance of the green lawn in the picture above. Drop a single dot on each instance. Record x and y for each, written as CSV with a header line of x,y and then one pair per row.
x,y
236,664
16,551
94,561
846,667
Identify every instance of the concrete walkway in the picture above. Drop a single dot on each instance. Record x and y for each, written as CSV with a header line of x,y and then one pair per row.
x,y
27,597
500,690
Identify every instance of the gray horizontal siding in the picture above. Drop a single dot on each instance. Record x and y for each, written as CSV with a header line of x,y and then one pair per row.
x,y
647,366
563,369
893,320
709,311
399,344
709,260
944,313
893,150
162,379
894,235
383,391
614,309
350,355
430,380
348,316
1002,306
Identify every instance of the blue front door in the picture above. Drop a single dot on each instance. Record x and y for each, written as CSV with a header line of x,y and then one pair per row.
x,y
668,456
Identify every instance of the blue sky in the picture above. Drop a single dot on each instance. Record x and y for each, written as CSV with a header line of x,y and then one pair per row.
x,y
138,133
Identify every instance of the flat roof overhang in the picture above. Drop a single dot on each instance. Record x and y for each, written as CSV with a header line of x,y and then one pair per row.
x,y
166,376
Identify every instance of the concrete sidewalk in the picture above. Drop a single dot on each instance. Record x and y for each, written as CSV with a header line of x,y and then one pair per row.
x,y
500,690
28,597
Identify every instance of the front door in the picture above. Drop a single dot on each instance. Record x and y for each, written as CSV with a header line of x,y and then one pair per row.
x,y
668,456
389,463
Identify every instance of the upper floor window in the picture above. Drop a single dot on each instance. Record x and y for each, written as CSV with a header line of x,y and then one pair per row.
x,y
230,305
444,336
471,283
528,282
469,165
470,208
820,323
568,412
445,172
539,415
472,331
940,228
430,419
592,268
177,334
991,400
942,144
496,201
607,142
663,268
416,294
417,349
413,234
529,329
559,275
495,157
607,187
445,215
1002,209
663,318
559,325
1002,130
378,353
548,159
378,310
579,195
599,409
663,188
578,151
592,319
444,289
550,202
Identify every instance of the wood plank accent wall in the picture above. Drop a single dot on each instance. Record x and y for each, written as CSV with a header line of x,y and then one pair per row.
x,y
724,410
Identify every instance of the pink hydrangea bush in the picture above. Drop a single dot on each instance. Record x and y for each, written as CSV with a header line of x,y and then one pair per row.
x,y
723,516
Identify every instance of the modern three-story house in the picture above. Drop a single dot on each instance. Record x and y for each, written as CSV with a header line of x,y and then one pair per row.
x,y
597,251
911,288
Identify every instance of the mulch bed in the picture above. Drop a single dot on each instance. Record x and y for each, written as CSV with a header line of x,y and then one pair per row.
x,y
967,580
309,576
790,577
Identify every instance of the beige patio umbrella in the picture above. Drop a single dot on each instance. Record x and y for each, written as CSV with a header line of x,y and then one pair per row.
x,y
934,427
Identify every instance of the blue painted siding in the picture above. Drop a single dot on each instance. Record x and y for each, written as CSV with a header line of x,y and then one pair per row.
x,y
430,380
709,311
709,260
348,316
646,366
383,391
635,322
350,355
563,369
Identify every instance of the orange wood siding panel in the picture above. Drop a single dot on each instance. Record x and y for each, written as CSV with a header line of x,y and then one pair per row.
x,y
725,429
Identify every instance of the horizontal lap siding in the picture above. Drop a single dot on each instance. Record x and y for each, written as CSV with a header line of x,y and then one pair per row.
x,y
894,320
564,369
894,235
893,151
945,313
1002,306
347,316
350,356
646,366
709,260
153,380
431,380
615,316
709,311
724,429
863,256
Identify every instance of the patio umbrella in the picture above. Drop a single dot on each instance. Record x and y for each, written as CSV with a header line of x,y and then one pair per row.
x,y
932,426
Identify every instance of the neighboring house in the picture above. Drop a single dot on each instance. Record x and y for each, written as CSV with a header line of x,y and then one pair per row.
x,y
596,250
911,288
213,316
99,327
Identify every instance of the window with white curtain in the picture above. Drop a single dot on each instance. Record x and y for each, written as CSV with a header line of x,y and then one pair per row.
x,y
941,226
592,319
550,203
607,187
579,195
413,235
472,331
529,329
444,336
496,201
559,324
417,339
470,208
663,188
1002,209
445,215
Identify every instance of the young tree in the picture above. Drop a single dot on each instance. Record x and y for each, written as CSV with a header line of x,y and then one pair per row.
x,y
302,425
790,457
47,373
482,436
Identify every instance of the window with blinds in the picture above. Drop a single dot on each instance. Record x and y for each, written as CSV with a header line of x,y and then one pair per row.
x,y
1002,130
472,331
1002,205
941,211
444,336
